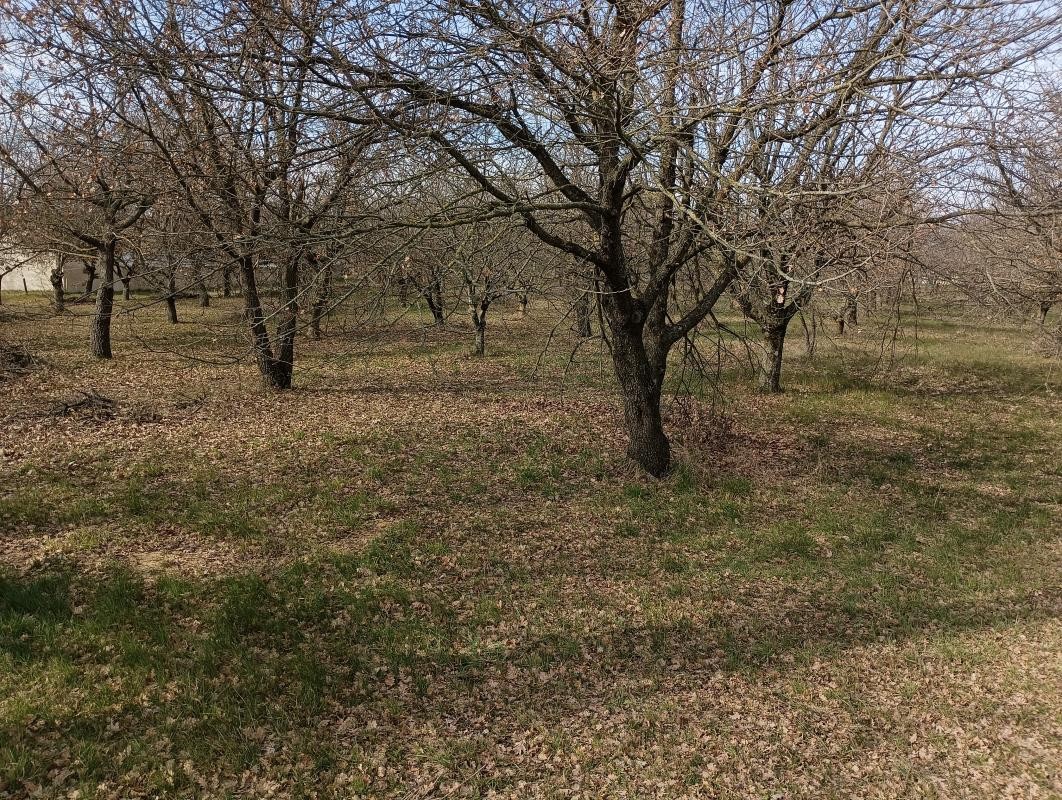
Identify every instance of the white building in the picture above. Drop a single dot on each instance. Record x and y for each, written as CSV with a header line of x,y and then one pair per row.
x,y
21,270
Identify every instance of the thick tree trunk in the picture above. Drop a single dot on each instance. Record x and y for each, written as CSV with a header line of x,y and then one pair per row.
x,y
640,385
226,283
481,338
273,377
100,326
1045,309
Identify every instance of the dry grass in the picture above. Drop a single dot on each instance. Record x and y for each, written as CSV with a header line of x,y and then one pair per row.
x,y
421,575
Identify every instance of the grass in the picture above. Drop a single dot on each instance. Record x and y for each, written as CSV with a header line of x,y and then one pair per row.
x,y
424,575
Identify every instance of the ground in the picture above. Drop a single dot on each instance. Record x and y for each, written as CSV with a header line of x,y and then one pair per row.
x,y
425,575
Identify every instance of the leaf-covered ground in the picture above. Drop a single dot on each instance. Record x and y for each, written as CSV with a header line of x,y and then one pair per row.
x,y
423,575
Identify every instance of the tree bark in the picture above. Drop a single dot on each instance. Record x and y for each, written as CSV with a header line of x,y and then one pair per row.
x,y
272,376
287,324
56,279
433,297
90,272
1045,309
479,322
640,384
226,283
204,294
100,326
771,365
171,298
524,301
851,309
583,311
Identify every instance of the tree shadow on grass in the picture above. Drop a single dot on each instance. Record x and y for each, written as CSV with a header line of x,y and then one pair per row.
x,y
195,667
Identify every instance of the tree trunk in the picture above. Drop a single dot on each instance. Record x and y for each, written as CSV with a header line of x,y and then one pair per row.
x,y
204,294
771,364
479,321
90,272
100,327
226,283
287,322
56,279
171,298
524,300
1045,309
582,317
433,297
851,310
640,385
840,324
273,377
